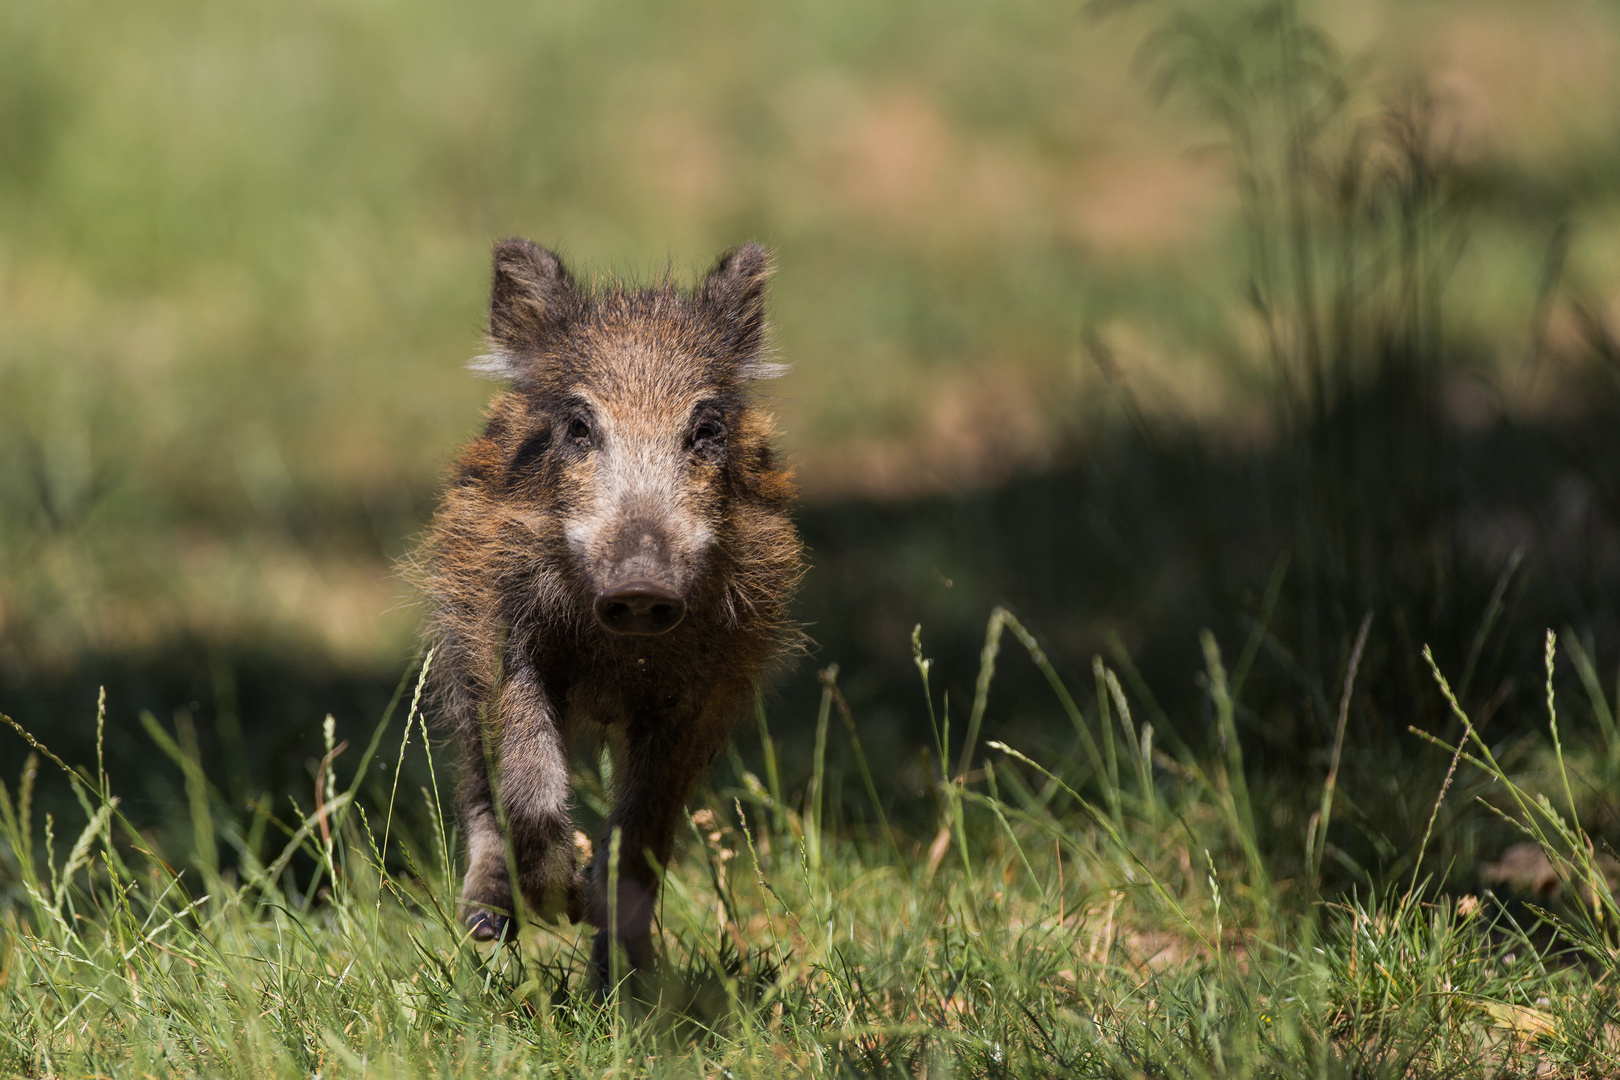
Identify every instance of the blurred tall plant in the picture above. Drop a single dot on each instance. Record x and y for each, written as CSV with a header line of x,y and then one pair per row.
x,y
1354,214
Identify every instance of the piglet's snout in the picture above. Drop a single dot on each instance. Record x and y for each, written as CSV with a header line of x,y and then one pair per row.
x,y
646,577
639,607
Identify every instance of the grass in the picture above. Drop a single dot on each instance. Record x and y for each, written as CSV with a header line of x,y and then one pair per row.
x,y
1105,913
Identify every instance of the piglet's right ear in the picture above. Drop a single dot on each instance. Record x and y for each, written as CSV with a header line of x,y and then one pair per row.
x,y
531,297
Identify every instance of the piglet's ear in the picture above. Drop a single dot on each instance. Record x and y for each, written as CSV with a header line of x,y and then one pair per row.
x,y
734,295
531,296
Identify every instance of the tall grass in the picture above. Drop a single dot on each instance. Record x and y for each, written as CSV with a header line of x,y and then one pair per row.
x,y
1041,932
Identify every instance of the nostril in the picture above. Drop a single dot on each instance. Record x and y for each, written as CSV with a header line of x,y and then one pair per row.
x,y
639,607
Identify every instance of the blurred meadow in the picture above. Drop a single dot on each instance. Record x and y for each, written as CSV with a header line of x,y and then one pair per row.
x,y
1139,318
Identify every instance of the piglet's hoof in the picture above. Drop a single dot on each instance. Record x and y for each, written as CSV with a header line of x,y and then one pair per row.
x,y
488,926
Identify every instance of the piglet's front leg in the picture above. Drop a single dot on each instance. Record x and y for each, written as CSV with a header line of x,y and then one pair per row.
x,y
659,764
530,768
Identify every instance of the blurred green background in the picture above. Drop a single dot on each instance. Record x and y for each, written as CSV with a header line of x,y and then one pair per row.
x,y
243,258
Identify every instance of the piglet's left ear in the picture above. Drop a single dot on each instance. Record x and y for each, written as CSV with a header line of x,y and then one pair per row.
x,y
734,295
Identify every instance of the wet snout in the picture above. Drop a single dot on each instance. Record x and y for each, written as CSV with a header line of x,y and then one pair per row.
x,y
639,607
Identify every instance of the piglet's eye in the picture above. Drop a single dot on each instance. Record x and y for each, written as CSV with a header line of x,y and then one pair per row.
x,y
709,433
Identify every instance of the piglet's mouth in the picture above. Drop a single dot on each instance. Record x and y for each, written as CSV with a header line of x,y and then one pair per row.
x,y
639,608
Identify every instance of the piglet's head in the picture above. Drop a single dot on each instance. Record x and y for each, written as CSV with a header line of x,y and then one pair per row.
x,y
629,433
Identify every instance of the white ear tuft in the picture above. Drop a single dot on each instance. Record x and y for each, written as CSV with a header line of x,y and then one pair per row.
x,y
495,365
763,369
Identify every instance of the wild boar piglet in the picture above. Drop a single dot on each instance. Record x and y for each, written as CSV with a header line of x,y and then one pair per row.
x,y
612,560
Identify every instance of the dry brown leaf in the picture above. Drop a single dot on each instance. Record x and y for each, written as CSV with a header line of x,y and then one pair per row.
x,y
1527,1022
937,850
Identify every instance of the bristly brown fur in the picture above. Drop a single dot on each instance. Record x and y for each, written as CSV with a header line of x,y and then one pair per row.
x,y
628,437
